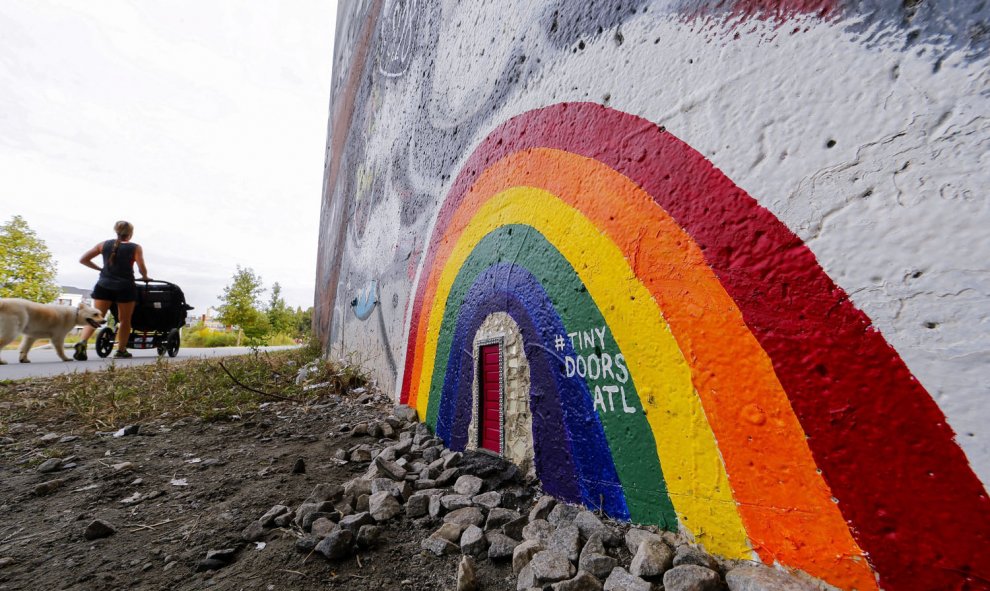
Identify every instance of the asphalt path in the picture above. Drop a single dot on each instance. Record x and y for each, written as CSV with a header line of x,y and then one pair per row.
x,y
44,361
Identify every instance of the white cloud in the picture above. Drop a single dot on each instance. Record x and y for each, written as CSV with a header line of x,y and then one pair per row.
x,y
203,123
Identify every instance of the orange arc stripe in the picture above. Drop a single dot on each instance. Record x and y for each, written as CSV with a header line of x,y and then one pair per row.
x,y
785,504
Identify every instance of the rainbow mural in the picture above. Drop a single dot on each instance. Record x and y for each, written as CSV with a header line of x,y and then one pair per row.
x,y
691,363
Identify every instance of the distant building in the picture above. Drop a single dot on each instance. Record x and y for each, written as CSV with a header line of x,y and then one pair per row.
x,y
208,320
71,296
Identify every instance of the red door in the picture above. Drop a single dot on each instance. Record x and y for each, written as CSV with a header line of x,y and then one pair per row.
x,y
490,413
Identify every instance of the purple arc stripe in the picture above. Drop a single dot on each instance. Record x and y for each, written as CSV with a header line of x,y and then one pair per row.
x,y
584,468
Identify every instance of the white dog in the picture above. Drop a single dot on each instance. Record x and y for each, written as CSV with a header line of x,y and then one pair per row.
x,y
42,321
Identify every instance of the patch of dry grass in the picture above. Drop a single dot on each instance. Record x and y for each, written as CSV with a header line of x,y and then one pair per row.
x,y
118,396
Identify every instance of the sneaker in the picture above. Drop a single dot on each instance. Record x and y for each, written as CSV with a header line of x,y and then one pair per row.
x,y
80,354
122,354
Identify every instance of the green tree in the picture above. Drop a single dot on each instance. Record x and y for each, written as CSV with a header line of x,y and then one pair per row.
x,y
26,266
280,317
304,322
239,302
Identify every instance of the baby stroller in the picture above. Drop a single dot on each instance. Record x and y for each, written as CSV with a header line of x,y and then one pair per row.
x,y
159,313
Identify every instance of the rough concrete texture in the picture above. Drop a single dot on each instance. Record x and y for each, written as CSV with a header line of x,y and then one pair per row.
x,y
735,255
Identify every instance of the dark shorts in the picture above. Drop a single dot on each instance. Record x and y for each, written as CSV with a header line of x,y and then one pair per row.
x,y
121,295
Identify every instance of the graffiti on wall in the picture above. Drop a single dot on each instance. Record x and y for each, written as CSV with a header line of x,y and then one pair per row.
x,y
610,243
740,290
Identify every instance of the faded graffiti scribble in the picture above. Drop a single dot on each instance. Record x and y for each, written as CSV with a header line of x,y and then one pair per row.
x,y
397,36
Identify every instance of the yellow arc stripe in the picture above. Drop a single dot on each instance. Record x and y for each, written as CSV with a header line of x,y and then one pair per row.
x,y
696,478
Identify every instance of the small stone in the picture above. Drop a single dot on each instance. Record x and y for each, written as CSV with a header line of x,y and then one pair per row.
x,y
340,454
359,430
48,437
452,460
325,492
68,438
466,516
488,500
691,577
550,567
439,546
284,519
122,467
526,579
361,455
473,540
99,529
455,502
523,553
600,565
128,430
542,508
636,536
299,467
763,578
436,507
383,506
466,580
268,518
653,558
514,529
6,561
594,545
322,527
450,532
253,532
500,546
565,541
686,555
357,487
336,545
305,511
590,524
418,505
405,413
563,513
355,521
468,485
390,469
362,503
447,476
48,487
538,530
50,465
225,555
583,581
622,580
498,517
368,535
307,544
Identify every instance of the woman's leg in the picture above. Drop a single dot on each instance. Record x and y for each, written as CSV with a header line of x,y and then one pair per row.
x,y
126,309
102,306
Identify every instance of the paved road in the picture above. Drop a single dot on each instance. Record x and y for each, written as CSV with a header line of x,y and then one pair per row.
x,y
44,361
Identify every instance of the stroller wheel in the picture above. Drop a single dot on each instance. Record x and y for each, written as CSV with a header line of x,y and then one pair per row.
x,y
104,341
172,342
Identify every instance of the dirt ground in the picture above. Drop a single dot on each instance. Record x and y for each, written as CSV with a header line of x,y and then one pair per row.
x,y
180,488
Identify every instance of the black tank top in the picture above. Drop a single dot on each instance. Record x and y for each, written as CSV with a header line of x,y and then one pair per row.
x,y
120,273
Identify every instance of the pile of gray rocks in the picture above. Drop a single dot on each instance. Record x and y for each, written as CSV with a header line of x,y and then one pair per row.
x,y
484,512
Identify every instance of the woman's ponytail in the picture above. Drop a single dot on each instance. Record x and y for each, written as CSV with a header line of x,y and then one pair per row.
x,y
124,231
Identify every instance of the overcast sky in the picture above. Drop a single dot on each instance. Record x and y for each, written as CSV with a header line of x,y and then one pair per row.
x,y
202,122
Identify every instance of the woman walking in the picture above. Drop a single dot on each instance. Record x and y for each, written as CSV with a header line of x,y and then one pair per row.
x,y
115,285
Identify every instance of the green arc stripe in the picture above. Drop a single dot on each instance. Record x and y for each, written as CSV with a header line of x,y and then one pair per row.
x,y
627,433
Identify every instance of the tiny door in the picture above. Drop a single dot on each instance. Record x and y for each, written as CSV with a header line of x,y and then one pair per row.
x,y
490,407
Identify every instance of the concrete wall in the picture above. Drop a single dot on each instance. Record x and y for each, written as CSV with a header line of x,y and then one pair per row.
x,y
738,251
